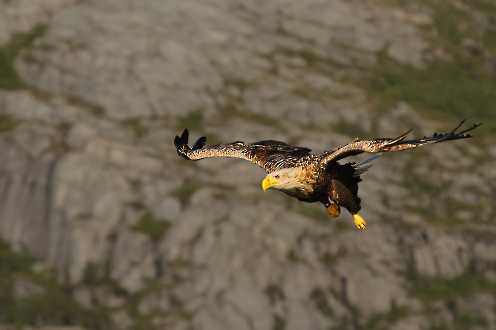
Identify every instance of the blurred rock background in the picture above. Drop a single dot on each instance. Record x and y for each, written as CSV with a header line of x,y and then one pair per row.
x,y
102,226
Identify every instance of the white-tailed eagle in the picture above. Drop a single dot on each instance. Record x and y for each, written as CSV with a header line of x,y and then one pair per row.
x,y
313,177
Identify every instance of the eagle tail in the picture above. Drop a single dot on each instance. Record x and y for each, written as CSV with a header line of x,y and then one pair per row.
x,y
364,165
182,147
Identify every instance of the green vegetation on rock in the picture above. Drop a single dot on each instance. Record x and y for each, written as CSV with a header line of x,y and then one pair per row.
x,y
430,289
152,227
9,78
319,298
383,320
445,88
7,122
136,126
51,304
279,323
185,191
191,121
458,84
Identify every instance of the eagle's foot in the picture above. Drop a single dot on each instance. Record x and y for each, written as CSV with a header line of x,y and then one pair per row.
x,y
333,210
360,222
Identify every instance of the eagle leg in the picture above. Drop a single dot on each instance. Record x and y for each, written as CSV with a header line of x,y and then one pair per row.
x,y
360,222
333,209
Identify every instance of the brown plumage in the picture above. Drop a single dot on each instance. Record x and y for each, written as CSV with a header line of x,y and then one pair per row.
x,y
313,177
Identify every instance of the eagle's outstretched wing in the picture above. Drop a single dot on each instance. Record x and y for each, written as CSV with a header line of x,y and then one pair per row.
x,y
269,154
394,144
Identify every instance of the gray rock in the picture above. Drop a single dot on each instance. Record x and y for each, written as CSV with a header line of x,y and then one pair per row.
x,y
122,319
169,208
482,256
27,174
97,205
25,288
83,296
132,261
412,323
22,16
446,257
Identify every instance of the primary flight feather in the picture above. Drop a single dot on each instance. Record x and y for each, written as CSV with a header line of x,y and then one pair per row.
x,y
313,177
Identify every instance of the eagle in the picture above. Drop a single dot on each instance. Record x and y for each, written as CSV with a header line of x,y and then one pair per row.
x,y
315,177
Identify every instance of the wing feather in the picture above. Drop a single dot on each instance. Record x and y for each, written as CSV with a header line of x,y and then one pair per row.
x,y
394,144
268,154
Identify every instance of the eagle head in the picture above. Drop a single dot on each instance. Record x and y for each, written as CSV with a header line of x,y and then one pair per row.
x,y
284,179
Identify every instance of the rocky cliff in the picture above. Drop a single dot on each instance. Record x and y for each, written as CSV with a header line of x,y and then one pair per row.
x,y
104,227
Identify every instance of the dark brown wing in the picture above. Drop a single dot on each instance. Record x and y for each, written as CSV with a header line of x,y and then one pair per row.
x,y
268,154
394,144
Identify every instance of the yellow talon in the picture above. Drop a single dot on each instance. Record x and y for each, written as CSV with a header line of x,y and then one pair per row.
x,y
360,222
334,210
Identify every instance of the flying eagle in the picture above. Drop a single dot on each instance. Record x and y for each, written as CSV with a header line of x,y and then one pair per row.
x,y
314,177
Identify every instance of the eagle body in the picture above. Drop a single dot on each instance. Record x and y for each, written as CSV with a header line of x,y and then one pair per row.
x,y
336,182
310,177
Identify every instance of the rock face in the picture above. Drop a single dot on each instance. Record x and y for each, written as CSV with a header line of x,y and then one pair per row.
x,y
91,186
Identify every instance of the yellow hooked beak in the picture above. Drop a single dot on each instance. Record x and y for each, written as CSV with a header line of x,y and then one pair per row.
x,y
268,182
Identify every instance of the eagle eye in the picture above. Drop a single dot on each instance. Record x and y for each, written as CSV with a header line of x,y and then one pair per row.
x,y
277,176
